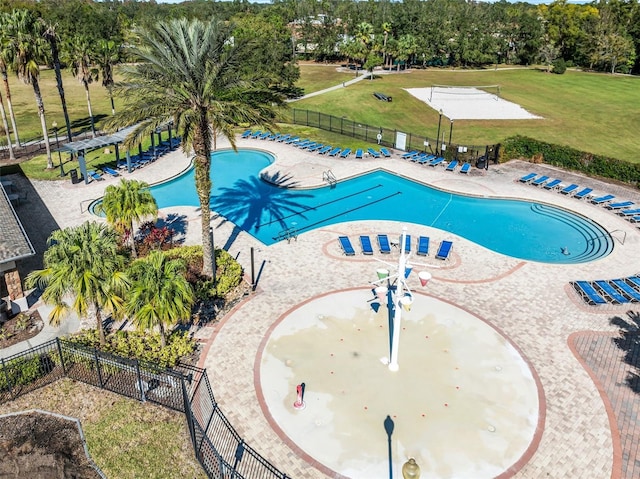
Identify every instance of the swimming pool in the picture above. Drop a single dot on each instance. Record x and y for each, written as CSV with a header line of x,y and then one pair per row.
x,y
521,229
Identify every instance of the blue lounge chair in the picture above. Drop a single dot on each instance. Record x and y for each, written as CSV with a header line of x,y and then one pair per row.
x,y
633,281
265,135
373,152
301,143
346,245
620,205
437,161
386,153
305,145
552,184
335,151
452,165
409,154
627,290
316,147
633,219
256,134
94,175
346,152
246,134
359,153
610,292
110,171
291,139
444,249
325,149
465,168
567,190
528,178
407,243
426,160
588,293
383,244
602,199
275,137
583,193
423,246
629,212
538,181
365,243
418,158
283,138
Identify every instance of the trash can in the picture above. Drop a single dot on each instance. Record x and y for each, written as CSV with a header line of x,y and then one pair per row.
x,y
74,176
481,162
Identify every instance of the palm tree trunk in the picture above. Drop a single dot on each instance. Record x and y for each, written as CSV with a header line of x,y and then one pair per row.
x,y
99,327
202,162
113,105
7,90
93,127
6,129
163,335
53,43
43,122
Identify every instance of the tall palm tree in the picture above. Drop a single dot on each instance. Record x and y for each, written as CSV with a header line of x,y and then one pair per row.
x,y
160,295
189,72
386,30
78,53
25,49
50,35
125,203
106,55
83,263
4,54
5,125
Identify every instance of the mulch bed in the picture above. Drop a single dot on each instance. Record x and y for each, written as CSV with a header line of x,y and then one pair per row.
x,y
19,328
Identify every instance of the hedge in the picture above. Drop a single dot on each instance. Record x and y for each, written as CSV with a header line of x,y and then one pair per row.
x,y
571,159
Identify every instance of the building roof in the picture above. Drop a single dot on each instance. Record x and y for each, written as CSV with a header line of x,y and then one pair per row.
x,y
14,242
97,142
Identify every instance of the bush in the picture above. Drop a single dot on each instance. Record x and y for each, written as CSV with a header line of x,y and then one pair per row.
x,y
22,371
559,66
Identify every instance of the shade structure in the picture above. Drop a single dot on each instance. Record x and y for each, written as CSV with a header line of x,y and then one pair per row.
x,y
424,277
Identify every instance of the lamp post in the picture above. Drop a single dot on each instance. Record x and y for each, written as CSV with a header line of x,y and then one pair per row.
x,y
438,135
55,131
450,130
399,297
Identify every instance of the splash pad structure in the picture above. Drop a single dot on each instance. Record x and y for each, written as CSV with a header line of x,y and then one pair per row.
x,y
464,404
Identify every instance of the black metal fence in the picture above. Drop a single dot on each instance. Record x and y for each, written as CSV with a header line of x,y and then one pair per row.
x,y
387,136
218,447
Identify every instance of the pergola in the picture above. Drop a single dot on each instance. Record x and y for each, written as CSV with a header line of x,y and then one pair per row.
x,y
81,147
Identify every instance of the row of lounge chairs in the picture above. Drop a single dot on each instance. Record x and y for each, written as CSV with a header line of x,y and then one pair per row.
x,y
320,148
427,159
628,209
613,291
149,156
384,246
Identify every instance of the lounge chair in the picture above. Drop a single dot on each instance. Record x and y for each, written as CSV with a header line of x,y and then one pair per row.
x,y
444,249
633,219
306,145
583,193
94,175
418,158
408,154
426,160
110,171
365,243
265,135
620,205
452,165
316,147
246,134
291,139
630,212
588,293
627,290
407,243
423,246
600,200
610,292
437,161
335,151
386,153
373,152
346,152
538,181
346,245
283,138
275,137
528,178
567,190
359,153
383,244
465,168
552,184
256,134
325,149
633,281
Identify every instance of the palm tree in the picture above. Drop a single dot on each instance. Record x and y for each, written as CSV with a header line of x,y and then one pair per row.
x,y
4,54
25,51
106,55
125,203
189,72
5,125
386,29
82,262
160,295
78,53
50,35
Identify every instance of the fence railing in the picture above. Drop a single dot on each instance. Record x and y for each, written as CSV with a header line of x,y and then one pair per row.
x,y
387,136
218,447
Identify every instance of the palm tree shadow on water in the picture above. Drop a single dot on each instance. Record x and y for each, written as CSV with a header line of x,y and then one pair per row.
x,y
629,343
254,203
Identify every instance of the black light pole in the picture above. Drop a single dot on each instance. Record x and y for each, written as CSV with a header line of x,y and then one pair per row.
x,y
450,131
55,131
438,135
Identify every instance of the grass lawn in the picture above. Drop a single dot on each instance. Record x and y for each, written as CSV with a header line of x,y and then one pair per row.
x,y
126,439
318,76
586,111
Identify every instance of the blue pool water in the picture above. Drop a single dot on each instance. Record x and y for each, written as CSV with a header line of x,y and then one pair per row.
x,y
521,229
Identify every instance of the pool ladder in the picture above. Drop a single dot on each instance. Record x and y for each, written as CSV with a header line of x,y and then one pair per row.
x,y
329,177
288,234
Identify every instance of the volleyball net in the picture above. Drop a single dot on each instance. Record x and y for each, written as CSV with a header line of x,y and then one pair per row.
x,y
470,90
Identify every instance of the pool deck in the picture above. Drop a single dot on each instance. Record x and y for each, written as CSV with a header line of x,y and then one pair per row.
x,y
591,428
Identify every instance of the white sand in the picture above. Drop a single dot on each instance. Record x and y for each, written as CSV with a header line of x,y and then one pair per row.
x,y
471,104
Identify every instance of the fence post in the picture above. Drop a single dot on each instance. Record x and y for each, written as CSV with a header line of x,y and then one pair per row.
x,y
189,416
64,368
143,397
95,355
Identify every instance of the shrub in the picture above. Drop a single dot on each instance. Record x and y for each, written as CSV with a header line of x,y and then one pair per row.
x,y
559,66
21,371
